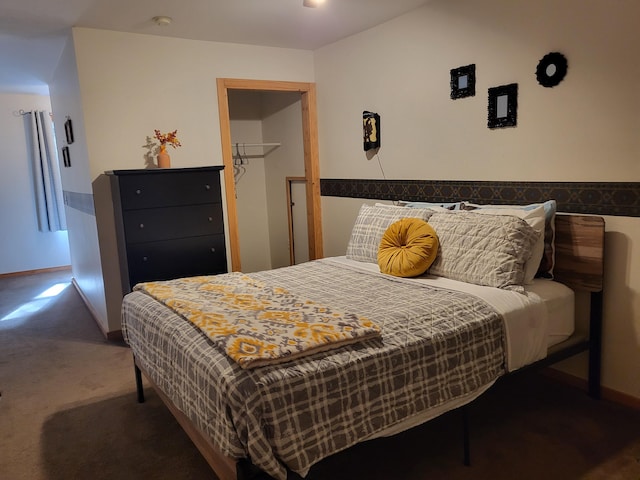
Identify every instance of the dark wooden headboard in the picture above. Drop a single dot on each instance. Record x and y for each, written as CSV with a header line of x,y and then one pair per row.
x,y
579,252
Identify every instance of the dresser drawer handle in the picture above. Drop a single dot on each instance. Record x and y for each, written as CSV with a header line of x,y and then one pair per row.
x,y
211,219
142,225
207,187
213,249
138,192
144,259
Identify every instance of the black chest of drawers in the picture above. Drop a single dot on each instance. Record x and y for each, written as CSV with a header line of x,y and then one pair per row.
x,y
169,223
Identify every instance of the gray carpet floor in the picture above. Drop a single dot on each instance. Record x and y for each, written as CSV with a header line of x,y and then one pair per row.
x,y
68,410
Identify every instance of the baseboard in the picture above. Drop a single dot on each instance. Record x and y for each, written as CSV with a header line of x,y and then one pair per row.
x,y
606,393
35,272
114,336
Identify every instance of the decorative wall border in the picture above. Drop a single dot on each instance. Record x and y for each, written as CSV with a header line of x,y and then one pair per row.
x,y
598,198
79,201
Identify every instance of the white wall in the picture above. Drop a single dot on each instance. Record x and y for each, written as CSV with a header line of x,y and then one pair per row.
x,y
401,70
24,248
251,195
132,84
66,101
584,129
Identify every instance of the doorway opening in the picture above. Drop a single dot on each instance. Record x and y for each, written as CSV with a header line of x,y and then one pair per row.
x,y
308,159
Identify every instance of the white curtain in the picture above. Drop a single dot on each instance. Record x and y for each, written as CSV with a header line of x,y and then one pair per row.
x,y
46,171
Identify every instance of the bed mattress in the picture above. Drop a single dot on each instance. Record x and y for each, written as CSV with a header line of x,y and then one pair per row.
x,y
559,300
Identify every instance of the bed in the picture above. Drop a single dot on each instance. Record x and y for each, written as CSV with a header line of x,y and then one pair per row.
x,y
441,340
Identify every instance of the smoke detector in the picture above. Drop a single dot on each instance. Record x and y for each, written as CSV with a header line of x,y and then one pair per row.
x,y
162,20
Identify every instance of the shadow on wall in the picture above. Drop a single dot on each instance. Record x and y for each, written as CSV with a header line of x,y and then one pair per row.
x,y
619,299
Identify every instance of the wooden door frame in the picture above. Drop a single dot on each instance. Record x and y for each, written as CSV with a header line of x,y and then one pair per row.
x,y
311,158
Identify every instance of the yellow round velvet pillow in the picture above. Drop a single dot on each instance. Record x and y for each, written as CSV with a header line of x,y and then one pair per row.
x,y
408,248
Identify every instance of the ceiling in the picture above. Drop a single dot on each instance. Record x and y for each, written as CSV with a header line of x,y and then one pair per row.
x,y
32,32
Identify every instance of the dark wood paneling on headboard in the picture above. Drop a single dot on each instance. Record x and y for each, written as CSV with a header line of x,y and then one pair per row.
x,y
598,198
579,252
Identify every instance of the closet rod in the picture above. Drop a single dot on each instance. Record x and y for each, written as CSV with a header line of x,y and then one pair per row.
x,y
258,144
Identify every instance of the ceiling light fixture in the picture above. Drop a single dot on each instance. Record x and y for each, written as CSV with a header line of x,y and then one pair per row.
x,y
312,3
162,20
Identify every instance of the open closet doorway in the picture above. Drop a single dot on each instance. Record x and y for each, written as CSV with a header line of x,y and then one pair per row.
x,y
283,143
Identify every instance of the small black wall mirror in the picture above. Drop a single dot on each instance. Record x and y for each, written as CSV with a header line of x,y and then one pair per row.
x,y
551,69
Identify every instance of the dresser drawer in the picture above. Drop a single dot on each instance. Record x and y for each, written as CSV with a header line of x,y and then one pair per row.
x,y
153,224
169,259
179,188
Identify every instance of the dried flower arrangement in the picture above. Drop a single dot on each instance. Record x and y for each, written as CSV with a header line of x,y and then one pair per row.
x,y
165,139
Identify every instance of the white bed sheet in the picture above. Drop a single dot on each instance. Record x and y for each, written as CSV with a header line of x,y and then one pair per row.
x,y
560,302
534,321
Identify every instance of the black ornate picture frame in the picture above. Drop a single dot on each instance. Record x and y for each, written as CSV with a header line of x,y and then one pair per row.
x,y
68,131
503,106
463,81
371,130
66,157
551,69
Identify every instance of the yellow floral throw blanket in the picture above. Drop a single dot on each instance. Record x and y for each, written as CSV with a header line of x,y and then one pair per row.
x,y
257,324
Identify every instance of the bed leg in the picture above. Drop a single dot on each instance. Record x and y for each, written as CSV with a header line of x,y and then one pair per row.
x,y
465,436
595,344
139,387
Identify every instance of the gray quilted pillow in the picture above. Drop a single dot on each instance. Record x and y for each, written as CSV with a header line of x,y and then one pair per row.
x,y
370,225
483,249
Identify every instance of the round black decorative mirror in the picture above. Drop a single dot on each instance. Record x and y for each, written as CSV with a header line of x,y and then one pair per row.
x,y
551,69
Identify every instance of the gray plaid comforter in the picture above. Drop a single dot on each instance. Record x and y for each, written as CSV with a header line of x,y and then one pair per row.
x,y
437,346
